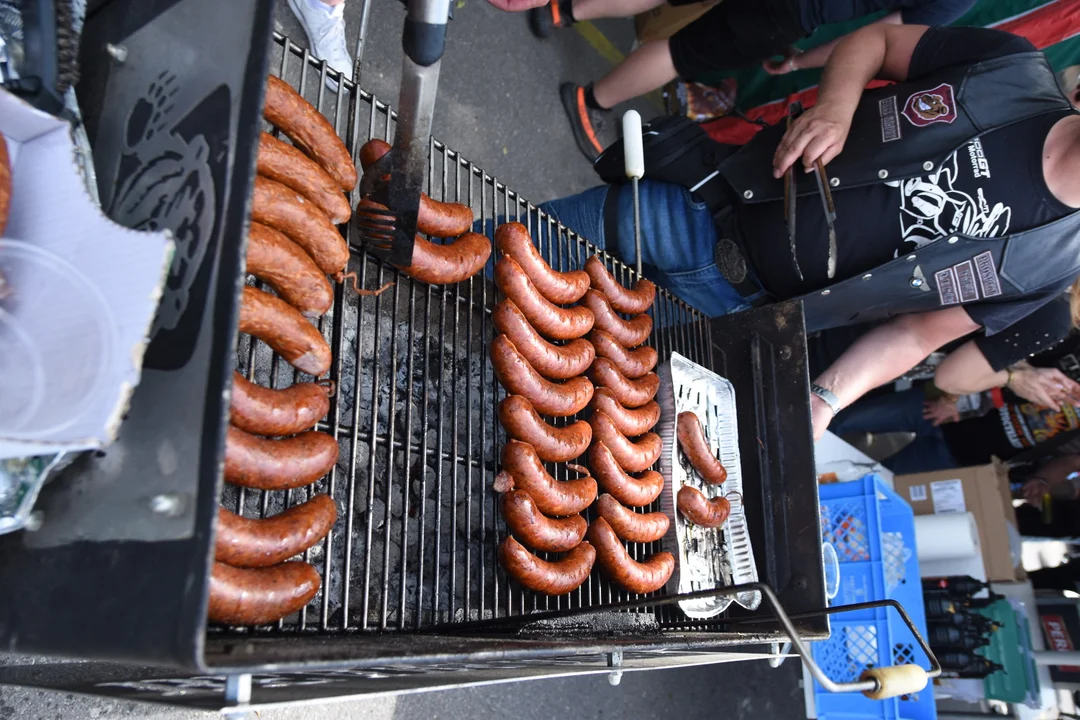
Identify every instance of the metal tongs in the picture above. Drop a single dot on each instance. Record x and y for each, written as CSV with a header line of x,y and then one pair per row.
x,y
391,233
791,197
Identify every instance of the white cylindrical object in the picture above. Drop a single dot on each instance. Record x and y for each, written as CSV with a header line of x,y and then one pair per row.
x,y
895,681
949,536
633,154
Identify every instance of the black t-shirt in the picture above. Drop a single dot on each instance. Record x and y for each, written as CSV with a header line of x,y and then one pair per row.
x,y
912,12
1031,338
1007,431
992,186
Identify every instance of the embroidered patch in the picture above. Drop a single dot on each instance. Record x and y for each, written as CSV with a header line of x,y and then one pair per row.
x,y
931,106
890,119
988,277
965,281
946,286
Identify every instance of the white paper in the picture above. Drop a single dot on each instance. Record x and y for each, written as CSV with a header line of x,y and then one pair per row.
x,y
948,496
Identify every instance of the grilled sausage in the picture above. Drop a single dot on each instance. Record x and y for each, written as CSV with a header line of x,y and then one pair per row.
x,y
283,209
550,320
628,490
557,362
562,288
285,330
5,184
696,448
552,497
284,266
631,456
628,333
700,510
519,378
625,300
264,411
550,578
629,525
630,422
623,570
309,131
438,219
631,363
552,444
265,464
282,162
631,393
260,596
537,531
253,542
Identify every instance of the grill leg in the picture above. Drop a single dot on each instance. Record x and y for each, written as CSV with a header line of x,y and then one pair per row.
x,y
238,689
614,661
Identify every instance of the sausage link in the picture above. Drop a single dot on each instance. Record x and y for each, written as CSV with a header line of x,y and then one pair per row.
x,y
629,525
631,363
552,444
309,130
284,266
264,464
631,456
550,320
628,333
630,422
264,411
5,184
624,570
631,393
260,596
252,542
285,330
557,362
550,578
625,300
520,378
700,510
628,490
697,450
561,288
537,531
282,162
283,209
552,497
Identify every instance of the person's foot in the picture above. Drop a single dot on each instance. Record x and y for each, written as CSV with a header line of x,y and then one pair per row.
x,y
544,19
587,123
324,26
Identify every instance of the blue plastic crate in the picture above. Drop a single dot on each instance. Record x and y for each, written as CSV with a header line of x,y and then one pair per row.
x,y
873,531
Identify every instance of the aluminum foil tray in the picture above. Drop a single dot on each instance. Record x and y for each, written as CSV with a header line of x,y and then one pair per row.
x,y
705,558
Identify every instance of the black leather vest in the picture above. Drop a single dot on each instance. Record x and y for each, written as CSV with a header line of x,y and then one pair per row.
x,y
908,130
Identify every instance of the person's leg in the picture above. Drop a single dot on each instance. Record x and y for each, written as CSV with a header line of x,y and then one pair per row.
x,y
596,9
891,412
926,453
644,70
323,22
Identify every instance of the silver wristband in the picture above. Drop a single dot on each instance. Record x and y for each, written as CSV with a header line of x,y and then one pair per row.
x,y
828,396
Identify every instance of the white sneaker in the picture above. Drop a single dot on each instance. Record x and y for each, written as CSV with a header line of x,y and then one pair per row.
x,y
325,29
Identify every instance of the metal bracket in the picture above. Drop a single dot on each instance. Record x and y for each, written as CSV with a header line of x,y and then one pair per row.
x,y
614,661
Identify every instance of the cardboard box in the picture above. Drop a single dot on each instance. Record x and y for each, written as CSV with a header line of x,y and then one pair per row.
x,y
665,20
982,491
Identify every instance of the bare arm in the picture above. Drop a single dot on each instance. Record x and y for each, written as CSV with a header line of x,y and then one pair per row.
x,y
966,370
1050,479
818,56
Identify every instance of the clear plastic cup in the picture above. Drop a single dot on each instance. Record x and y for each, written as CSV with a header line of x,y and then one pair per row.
x,y
22,380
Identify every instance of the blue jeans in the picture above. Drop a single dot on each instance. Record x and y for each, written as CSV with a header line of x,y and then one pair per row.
x,y
899,412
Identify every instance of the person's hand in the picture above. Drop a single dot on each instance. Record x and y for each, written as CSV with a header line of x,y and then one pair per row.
x,y
784,65
820,415
1034,490
1048,387
820,132
941,410
517,5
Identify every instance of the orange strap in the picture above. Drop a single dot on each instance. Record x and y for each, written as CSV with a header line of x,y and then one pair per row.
x,y
584,116
556,18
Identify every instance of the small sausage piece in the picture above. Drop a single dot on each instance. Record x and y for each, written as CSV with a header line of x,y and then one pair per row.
x,y
624,570
537,531
631,456
700,510
285,330
5,184
260,596
550,578
630,422
282,162
550,320
552,497
622,299
254,542
309,130
631,363
283,209
263,411
557,362
265,464
693,443
628,490
284,266
552,444
519,378
629,525
562,288
628,333
631,393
